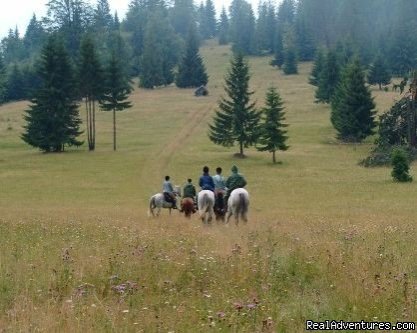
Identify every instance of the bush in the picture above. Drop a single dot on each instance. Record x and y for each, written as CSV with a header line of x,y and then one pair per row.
x,y
401,166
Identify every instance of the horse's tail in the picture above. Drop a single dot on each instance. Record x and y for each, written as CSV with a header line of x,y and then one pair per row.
x,y
151,206
243,205
204,203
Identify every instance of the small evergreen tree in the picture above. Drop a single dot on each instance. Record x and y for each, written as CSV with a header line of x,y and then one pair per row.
x,y
378,73
317,68
328,79
290,62
237,120
116,90
353,114
272,133
400,166
53,120
191,71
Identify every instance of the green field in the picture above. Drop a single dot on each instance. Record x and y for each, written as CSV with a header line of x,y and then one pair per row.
x,y
326,238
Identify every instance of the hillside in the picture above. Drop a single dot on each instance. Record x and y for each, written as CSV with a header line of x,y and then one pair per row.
x,y
326,238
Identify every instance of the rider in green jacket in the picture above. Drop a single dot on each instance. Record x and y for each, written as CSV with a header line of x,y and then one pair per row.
x,y
236,180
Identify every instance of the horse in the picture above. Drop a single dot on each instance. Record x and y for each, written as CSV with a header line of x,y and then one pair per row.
x,y
238,205
219,206
188,207
206,205
158,201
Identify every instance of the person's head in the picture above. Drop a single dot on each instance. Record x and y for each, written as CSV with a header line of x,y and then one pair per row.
x,y
189,180
234,169
166,178
219,170
206,169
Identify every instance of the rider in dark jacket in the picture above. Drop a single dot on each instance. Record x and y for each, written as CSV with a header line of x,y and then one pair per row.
x,y
206,181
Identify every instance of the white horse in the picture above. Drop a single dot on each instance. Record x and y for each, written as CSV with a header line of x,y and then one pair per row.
x,y
238,205
206,205
158,201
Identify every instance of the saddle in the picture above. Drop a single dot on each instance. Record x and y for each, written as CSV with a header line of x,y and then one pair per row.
x,y
168,198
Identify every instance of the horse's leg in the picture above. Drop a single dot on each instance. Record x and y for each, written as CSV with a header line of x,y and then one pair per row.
x,y
229,214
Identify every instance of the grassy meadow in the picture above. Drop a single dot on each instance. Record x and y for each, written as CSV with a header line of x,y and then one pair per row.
x,y
326,238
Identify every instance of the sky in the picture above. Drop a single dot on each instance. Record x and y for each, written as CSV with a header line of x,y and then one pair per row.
x,y
19,12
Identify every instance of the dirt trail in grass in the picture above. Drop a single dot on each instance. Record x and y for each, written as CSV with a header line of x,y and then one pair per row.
x,y
180,137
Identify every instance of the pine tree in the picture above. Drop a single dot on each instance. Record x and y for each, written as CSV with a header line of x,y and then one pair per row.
x,y
272,133
328,79
191,71
223,28
160,53
242,27
3,81
210,13
400,166
278,50
90,80
34,37
317,68
237,121
116,90
353,114
53,120
378,73
182,16
290,62
16,86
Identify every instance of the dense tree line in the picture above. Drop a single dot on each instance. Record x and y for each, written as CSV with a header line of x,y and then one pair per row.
x,y
291,31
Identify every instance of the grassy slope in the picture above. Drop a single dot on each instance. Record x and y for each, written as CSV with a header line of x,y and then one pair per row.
x,y
327,239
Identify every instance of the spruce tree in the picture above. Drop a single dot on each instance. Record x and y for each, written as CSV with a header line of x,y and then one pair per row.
x,y
400,166
237,121
353,114
3,81
290,62
191,71
160,52
378,73
278,50
16,86
328,79
242,27
90,81
223,28
272,133
116,90
53,121
317,68
210,13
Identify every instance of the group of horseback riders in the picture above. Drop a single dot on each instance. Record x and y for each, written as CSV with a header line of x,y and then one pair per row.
x,y
218,184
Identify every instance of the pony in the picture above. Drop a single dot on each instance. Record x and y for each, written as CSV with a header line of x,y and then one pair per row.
x,y
219,206
238,205
158,201
187,206
206,205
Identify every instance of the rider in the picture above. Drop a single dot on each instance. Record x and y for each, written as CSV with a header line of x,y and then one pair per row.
x,y
219,188
219,182
206,181
189,191
236,180
168,191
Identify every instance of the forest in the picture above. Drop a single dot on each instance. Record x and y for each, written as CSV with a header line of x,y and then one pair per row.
x,y
151,39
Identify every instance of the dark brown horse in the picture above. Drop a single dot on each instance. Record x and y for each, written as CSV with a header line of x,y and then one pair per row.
x,y
187,207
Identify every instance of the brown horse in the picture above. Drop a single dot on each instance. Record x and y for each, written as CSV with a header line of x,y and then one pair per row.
x,y
187,206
